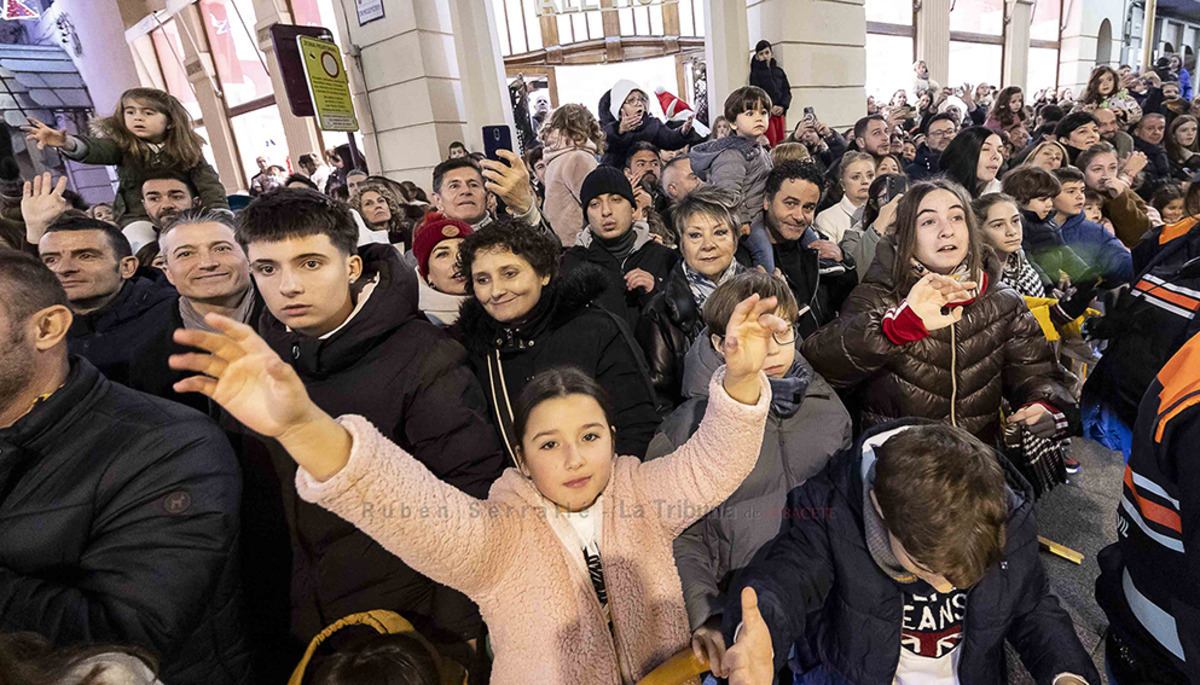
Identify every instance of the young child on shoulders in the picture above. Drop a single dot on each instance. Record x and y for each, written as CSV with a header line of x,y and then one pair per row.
x,y
150,132
741,163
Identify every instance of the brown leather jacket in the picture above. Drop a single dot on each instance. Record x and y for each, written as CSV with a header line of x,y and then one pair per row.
x,y
957,374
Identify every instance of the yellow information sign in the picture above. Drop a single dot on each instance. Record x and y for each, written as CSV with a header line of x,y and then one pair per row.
x,y
328,84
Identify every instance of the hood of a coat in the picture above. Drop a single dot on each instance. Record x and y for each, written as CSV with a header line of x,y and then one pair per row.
x,y
701,362
852,476
880,271
392,303
621,90
560,301
704,154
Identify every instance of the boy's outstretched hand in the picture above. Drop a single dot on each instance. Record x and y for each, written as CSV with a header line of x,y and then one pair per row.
x,y
745,346
243,374
751,660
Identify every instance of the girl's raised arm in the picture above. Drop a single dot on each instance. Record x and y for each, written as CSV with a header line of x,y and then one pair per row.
x,y
347,467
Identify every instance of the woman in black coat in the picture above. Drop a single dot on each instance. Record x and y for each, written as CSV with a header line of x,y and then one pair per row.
x,y
708,241
521,320
766,73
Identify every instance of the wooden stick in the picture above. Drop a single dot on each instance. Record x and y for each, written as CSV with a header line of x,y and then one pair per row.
x,y
1060,550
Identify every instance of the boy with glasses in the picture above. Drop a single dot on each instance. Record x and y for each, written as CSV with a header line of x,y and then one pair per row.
x,y
807,423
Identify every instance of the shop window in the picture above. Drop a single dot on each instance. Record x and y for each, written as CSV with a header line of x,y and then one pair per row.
x,y
229,25
259,133
170,60
886,70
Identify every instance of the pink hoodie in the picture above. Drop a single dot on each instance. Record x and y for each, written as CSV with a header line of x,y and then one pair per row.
x,y
545,621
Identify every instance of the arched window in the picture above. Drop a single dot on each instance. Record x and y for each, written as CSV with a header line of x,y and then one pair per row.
x,y
1104,43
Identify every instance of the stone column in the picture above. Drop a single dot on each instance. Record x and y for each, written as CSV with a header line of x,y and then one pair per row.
x,y
301,133
484,84
820,44
1016,44
933,38
727,50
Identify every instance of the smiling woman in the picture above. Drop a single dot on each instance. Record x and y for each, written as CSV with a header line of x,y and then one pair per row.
x,y
522,318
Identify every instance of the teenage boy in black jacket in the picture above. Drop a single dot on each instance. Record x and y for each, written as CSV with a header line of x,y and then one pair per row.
x,y
347,320
913,555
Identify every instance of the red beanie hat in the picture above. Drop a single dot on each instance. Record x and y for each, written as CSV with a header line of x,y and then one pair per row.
x,y
433,229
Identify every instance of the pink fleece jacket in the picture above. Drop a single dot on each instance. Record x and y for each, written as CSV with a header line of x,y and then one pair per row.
x,y
565,170
545,621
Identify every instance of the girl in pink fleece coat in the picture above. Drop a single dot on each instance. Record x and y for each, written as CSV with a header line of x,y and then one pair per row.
x,y
570,557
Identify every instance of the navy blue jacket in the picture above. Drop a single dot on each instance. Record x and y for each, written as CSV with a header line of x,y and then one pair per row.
x,y
664,137
925,164
1103,251
817,583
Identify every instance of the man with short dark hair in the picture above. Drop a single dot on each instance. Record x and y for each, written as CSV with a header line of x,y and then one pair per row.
x,y
1110,130
118,511
346,319
112,303
167,195
819,274
1148,138
873,135
461,187
457,150
940,130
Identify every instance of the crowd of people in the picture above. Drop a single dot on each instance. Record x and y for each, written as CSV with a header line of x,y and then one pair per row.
x,y
736,402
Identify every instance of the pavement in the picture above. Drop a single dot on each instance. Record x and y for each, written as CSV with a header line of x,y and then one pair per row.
x,y
1080,514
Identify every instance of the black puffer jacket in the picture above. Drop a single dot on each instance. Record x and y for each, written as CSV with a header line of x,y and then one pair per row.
x,y
771,78
119,524
390,365
565,327
669,326
959,373
647,255
818,584
112,337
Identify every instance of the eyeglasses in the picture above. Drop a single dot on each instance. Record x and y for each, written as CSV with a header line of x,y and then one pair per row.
x,y
783,339
788,337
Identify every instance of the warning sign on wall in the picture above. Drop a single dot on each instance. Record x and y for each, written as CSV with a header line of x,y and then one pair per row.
x,y
328,84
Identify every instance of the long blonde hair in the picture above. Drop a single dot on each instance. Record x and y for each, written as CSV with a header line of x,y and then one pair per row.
x,y
182,146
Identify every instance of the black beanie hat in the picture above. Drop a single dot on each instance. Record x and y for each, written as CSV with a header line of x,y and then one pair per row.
x,y
605,180
762,45
1072,121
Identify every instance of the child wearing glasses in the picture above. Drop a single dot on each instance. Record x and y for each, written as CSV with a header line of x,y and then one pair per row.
x,y
806,424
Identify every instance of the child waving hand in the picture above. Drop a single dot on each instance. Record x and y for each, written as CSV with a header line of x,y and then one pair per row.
x,y
150,132
570,557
